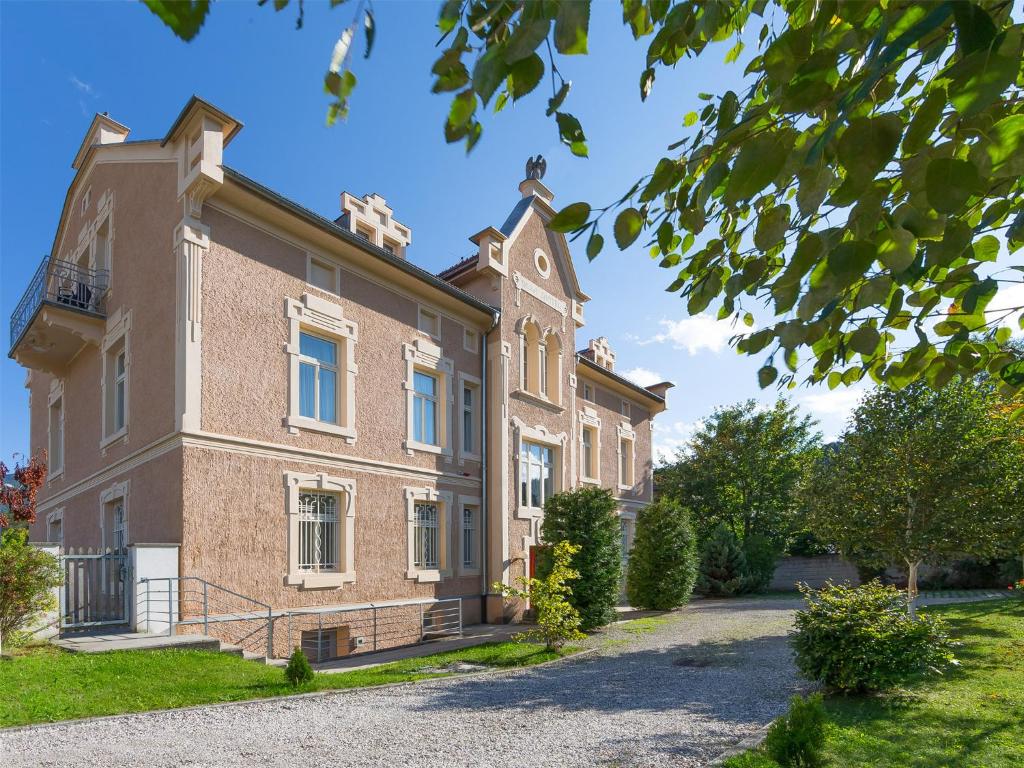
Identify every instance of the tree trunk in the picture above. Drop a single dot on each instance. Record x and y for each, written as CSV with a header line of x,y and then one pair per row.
x,y
912,587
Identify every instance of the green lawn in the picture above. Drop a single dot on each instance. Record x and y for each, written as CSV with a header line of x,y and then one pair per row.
x,y
972,716
44,683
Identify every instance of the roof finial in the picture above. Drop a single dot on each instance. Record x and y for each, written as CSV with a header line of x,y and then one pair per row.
x,y
536,167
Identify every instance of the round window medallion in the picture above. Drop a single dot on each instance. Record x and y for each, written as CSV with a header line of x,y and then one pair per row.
x,y
540,260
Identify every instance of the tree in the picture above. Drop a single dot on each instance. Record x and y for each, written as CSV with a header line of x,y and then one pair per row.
x,y
585,517
856,184
663,562
743,467
18,491
27,577
921,476
723,566
558,622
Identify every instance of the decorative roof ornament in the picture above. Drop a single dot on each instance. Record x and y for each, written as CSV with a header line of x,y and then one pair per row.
x,y
536,167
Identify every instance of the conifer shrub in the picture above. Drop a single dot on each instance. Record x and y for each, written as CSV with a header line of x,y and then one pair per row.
x,y
663,562
723,566
760,556
586,518
298,672
796,739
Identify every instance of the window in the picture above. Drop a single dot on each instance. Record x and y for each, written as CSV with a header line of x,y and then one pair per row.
x,y
101,256
55,526
425,537
429,322
588,453
318,378
468,420
115,525
470,341
323,275
389,248
626,533
625,462
542,373
536,474
625,408
56,435
319,644
364,233
318,532
321,368
86,198
428,533
469,536
425,408
588,392
115,381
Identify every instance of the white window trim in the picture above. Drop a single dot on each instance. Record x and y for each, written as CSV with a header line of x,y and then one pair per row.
x,y
118,326
625,432
471,340
108,495
588,418
56,393
539,259
428,357
444,500
326,318
310,258
537,434
475,384
470,501
294,483
422,309
56,516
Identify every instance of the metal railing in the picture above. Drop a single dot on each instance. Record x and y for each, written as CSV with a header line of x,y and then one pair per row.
x,y
189,602
335,632
63,283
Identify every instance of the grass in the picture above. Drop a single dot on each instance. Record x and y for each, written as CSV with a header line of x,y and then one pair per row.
x,y
967,718
45,684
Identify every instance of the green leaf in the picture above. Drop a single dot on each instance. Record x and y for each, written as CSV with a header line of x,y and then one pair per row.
x,y
666,173
572,26
646,83
865,340
489,72
869,143
184,17
986,248
556,101
982,77
594,246
897,249
757,164
974,28
524,75
766,375
772,227
570,218
1006,148
690,119
462,108
627,228
926,120
815,181
951,183
524,40
571,133
734,52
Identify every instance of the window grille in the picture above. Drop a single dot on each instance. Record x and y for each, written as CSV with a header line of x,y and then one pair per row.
x,y
425,536
318,532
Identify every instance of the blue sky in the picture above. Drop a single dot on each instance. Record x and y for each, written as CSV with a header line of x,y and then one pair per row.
x,y
62,62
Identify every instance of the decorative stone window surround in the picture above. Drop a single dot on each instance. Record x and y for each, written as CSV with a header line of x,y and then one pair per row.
x,y
625,432
588,418
325,318
427,357
471,340
335,269
423,317
443,500
536,434
294,483
463,502
56,393
543,263
535,342
118,327
56,516
111,494
477,416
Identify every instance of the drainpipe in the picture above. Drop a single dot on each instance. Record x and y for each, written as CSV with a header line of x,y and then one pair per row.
x,y
484,451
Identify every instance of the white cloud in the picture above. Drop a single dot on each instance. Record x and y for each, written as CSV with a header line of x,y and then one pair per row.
x,y
643,377
81,85
831,408
1010,296
697,333
669,438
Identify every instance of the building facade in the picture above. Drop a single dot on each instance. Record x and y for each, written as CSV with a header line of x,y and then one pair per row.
x,y
308,416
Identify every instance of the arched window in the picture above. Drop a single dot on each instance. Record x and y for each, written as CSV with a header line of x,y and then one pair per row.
x,y
551,350
531,357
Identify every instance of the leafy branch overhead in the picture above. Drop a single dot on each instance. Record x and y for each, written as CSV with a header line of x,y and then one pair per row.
x,y
864,186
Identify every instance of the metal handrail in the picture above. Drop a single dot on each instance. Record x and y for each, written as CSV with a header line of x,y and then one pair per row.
x,y
64,283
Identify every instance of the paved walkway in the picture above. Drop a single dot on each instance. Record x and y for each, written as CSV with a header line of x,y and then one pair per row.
x,y
674,691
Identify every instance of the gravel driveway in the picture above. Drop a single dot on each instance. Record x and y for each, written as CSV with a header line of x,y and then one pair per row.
x,y
677,694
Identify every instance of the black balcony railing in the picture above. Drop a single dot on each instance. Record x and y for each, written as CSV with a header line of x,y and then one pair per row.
x,y
64,284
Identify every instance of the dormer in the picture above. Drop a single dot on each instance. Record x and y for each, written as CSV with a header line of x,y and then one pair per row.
x,y
601,353
492,256
102,130
371,218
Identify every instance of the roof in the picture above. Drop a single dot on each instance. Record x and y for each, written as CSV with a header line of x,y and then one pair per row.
x,y
234,126
340,232
642,391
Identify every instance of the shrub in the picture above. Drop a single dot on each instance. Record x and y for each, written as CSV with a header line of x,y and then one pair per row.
x,y
863,638
27,576
558,622
723,566
586,517
797,738
760,555
298,672
663,562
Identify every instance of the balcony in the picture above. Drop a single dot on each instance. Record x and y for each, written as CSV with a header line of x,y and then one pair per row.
x,y
61,311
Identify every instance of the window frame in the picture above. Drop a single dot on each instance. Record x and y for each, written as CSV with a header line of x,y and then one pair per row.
x,y
55,518
109,498
472,505
434,332
297,483
317,364
443,500
423,399
525,479
425,357
324,319
56,396
467,381
320,520
471,340
116,342
588,392
335,270
590,423
626,434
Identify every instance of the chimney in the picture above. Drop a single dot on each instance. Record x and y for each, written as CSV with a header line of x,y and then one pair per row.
x,y
601,353
371,218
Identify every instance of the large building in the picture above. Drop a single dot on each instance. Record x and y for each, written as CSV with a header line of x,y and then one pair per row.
x,y
307,416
